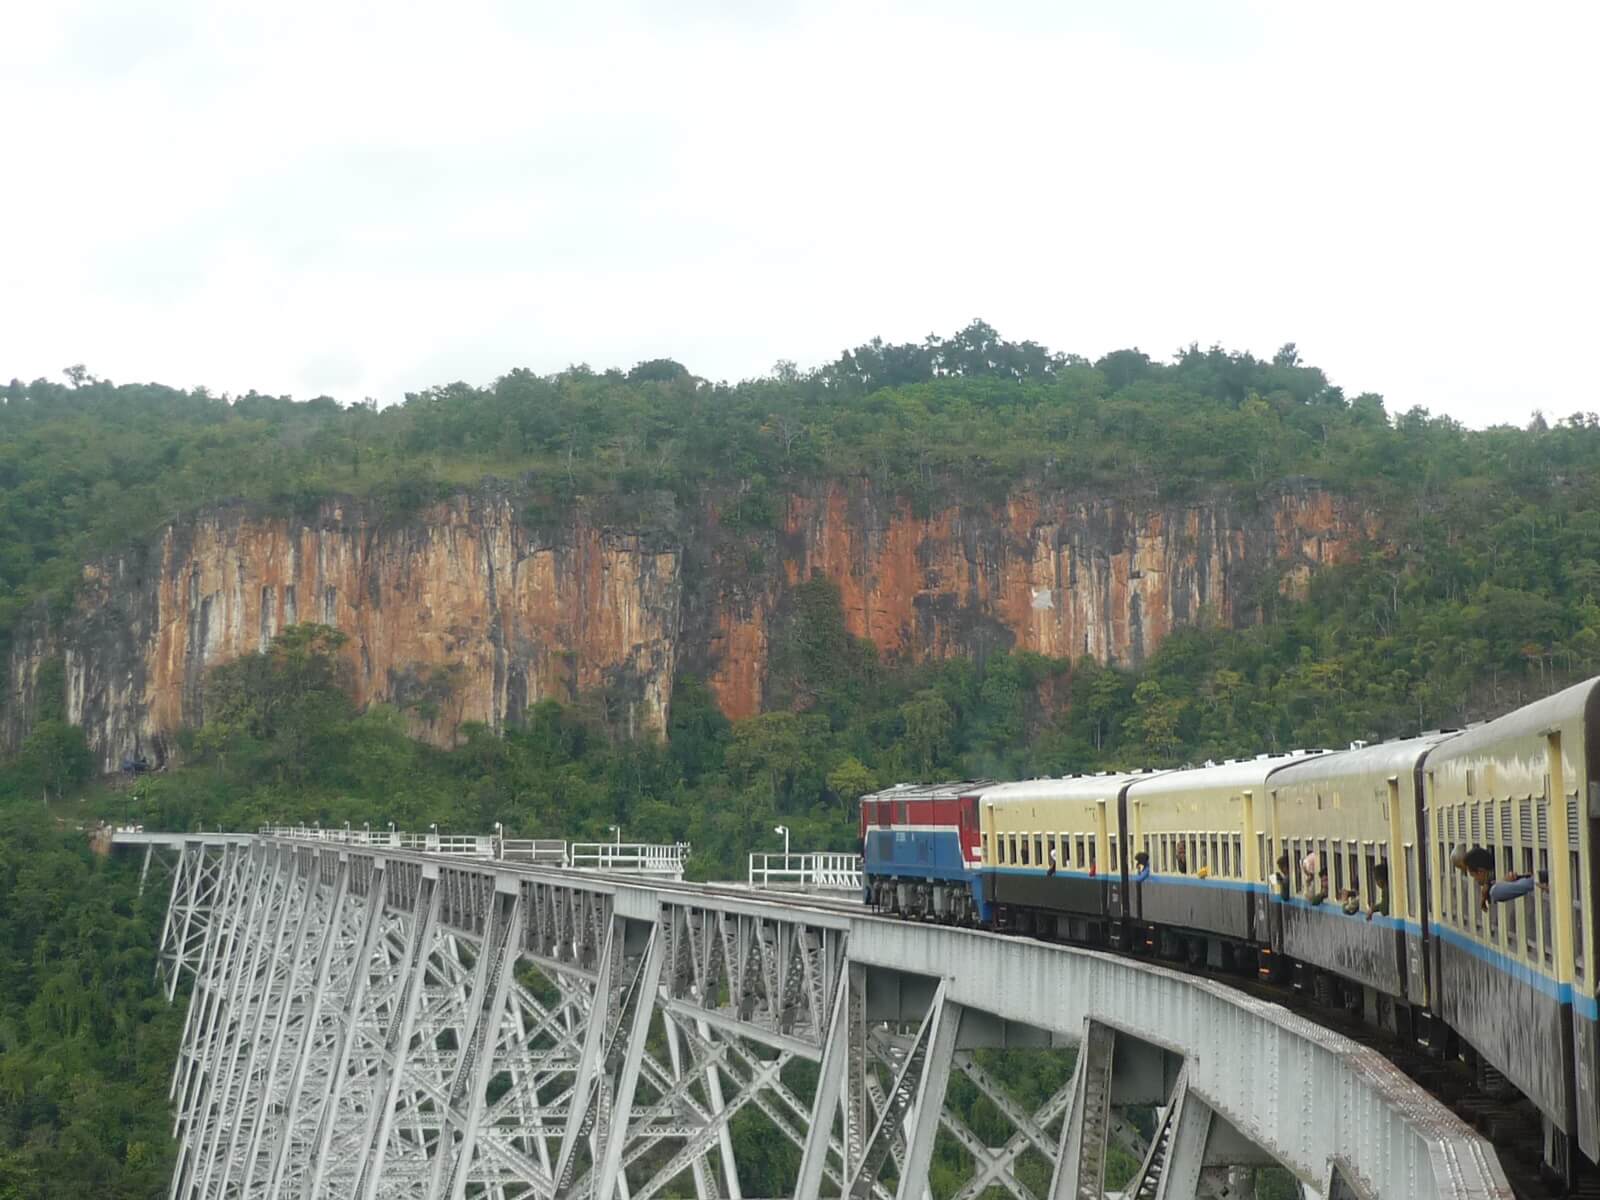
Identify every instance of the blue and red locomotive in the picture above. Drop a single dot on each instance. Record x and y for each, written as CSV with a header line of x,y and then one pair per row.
x,y
921,851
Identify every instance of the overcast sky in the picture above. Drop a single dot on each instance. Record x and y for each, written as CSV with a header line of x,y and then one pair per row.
x,y
359,200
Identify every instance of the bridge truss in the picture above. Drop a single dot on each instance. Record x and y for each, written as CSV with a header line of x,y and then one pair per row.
x,y
377,1023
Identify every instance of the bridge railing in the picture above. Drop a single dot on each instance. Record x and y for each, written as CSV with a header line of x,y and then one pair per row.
x,y
815,871
642,858
637,857
550,851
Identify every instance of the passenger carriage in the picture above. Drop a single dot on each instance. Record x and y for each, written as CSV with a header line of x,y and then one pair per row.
x,y
1517,982
1204,831
1357,810
920,851
1051,853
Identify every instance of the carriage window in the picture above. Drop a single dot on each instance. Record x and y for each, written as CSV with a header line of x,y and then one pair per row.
x,y
1578,884
1078,856
1294,864
1447,879
1444,880
1530,919
985,851
1508,856
1115,860
1542,836
1091,856
1262,854
1577,889
1546,921
1038,850
1355,867
1411,880
1338,869
1026,860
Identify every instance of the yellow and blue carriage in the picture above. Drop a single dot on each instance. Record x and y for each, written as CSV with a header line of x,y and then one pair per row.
x,y
1052,854
1201,828
1354,818
1516,980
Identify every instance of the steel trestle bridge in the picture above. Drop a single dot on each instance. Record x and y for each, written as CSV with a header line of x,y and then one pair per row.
x,y
399,1020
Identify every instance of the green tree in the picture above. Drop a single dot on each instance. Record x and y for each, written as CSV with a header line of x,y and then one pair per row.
x,y
929,721
1155,721
850,779
56,758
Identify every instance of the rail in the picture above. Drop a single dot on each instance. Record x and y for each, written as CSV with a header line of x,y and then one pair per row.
x,y
826,872
638,857
643,858
550,851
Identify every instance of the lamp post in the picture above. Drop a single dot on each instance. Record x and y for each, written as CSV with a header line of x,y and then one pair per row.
x,y
347,831
616,829
391,833
783,829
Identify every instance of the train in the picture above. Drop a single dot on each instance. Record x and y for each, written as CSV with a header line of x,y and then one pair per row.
x,y
1341,872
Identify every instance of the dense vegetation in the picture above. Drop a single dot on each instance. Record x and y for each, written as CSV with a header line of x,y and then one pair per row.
x,y
1480,593
87,1045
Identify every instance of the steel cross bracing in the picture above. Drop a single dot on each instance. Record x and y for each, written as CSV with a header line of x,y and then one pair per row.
x,y
370,1022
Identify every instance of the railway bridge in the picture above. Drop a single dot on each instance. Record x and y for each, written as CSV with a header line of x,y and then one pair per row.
x,y
414,1020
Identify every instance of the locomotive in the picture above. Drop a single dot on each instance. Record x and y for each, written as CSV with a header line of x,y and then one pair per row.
x,y
1340,871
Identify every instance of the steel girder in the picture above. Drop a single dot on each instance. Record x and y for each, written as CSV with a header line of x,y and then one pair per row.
x,y
379,1024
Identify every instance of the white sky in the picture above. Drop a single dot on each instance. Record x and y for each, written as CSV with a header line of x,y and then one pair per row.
x,y
310,196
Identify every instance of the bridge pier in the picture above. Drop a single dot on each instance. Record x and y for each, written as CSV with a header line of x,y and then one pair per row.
x,y
371,1022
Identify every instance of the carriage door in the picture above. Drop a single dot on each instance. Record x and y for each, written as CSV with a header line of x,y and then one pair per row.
x,y
1250,870
1276,848
1105,869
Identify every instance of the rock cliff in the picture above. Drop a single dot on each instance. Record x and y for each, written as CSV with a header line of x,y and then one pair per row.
x,y
462,612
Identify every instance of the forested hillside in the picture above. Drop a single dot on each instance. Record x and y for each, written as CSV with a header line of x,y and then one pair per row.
x,y
1477,592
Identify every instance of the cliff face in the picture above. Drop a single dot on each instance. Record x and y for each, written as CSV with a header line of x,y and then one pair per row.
x,y
458,615
1055,573
462,613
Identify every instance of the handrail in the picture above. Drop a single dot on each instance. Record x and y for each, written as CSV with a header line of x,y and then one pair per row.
x,y
637,857
535,850
823,871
